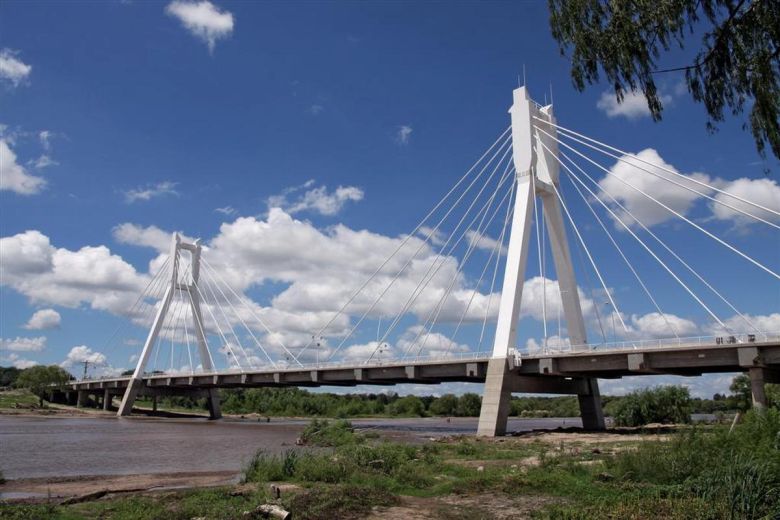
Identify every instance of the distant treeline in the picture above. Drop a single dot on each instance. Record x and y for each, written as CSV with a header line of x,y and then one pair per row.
x,y
296,402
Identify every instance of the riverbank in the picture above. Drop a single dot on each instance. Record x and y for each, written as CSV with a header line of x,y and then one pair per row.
x,y
473,466
700,472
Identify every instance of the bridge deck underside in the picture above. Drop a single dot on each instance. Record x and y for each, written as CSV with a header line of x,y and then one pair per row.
x,y
533,371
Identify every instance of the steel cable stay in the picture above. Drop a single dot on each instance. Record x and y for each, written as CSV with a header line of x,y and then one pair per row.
x,y
472,243
492,287
258,344
495,252
472,247
186,332
621,253
414,232
539,245
608,293
565,133
225,341
443,256
444,253
661,242
406,265
670,210
166,332
200,327
149,291
244,301
672,181
229,325
654,255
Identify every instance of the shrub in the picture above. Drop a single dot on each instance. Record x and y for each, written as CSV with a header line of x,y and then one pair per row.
x,y
737,473
268,468
410,405
330,433
664,404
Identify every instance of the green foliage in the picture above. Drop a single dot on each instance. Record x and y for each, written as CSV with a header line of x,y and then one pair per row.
x,y
8,376
736,64
269,468
741,393
663,404
17,398
410,405
545,407
446,405
469,405
738,473
330,433
40,378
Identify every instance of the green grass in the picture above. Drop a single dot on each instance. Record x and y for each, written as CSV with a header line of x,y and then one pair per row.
x,y
330,433
16,398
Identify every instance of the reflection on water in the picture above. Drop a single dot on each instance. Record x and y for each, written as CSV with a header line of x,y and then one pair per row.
x,y
61,446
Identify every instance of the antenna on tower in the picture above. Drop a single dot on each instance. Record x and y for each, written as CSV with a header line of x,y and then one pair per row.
x,y
524,83
551,95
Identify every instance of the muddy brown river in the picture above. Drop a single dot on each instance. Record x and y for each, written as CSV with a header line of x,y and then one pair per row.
x,y
32,446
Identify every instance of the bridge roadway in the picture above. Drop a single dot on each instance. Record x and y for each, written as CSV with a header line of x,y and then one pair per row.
x,y
553,373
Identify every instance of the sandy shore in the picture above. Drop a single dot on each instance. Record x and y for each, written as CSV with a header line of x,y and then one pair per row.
x,y
64,487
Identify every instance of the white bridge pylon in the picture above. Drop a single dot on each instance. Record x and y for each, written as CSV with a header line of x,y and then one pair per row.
x,y
176,283
535,156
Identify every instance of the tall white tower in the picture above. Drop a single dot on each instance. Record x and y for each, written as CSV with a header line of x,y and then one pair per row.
x,y
191,290
536,164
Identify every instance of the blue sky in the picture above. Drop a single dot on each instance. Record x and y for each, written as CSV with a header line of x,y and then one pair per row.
x,y
124,121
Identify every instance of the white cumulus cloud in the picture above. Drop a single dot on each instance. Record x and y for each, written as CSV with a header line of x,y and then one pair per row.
x,y
403,134
12,70
203,19
149,192
316,200
20,344
627,172
13,176
82,354
633,106
44,319
764,192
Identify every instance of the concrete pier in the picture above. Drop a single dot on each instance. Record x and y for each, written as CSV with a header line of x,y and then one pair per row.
x,y
496,399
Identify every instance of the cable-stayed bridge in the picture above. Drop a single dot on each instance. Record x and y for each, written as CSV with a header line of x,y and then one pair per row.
x,y
446,303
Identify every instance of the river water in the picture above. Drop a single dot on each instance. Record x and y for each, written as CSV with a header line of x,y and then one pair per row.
x,y
77,446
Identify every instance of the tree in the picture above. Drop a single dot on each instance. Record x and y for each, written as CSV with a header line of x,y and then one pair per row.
x,y
39,379
737,62
411,405
741,392
663,404
8,375
445,405
469,405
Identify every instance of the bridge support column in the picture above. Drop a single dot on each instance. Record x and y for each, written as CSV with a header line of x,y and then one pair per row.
x,y
128,399
215,410
82,399
757,388
590,406
107,398
495,399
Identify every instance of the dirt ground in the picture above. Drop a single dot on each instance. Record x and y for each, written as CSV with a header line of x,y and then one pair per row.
x,y
498,506
63,487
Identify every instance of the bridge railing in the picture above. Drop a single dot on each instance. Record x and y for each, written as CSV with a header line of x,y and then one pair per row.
x,y
691,341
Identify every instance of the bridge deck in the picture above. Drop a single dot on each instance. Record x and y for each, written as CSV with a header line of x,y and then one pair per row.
x,y
678,360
